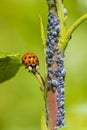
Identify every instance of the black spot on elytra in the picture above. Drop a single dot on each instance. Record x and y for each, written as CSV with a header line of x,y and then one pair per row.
x,y
23,61
36,61
25,57
29,57
33,56
33,62
26,64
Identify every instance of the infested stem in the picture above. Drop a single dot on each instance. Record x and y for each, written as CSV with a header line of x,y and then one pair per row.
x,y
54,39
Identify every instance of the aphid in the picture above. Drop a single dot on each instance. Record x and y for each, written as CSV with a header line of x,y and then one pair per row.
x,y
65,11
30,60
54,83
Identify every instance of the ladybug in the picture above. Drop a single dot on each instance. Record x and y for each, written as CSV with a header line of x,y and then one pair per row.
x,y
30,60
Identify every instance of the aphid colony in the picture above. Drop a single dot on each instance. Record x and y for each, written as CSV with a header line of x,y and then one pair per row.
x,y
57,83
52,37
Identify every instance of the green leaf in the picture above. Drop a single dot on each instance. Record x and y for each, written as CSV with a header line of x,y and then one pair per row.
x,y
9,66
43,37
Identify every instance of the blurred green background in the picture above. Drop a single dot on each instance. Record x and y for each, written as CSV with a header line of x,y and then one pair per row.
x,y
20,99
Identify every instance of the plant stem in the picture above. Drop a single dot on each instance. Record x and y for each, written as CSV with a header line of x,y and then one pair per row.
x,y
60,10
62,19
43,37
74,26
41,80
56,8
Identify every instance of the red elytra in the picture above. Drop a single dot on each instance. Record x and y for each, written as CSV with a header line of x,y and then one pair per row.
x,y
30,60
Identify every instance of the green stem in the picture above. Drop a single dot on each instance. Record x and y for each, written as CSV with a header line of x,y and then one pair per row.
x,y
73,27
43,37
41,80
61,16
60,11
